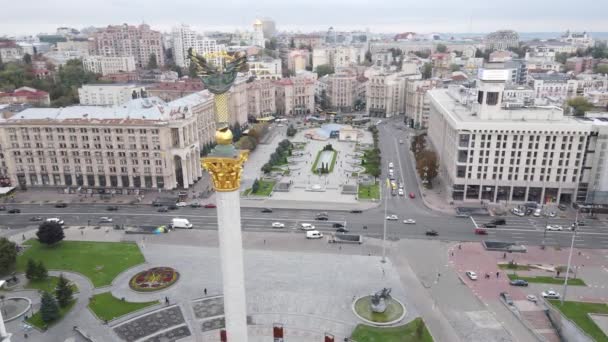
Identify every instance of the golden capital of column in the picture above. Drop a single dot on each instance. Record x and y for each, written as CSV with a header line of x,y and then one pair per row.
x,y
225,171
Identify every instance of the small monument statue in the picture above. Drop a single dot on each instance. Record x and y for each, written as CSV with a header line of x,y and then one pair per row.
x,y
378,301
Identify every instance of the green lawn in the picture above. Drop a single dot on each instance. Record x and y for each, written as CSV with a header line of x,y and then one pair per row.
x,y
369,191
36,319
101,262
48,284
577,312
514,267
265,188
108,307
548,280
331,165
333,161
404,333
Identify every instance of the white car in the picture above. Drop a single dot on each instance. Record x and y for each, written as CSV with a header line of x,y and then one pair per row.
x,y
517,212
307,226
532,298
55,220
472,275
181,204
401,193
278,225
105,219
409,221
554,227
392,218
390,165
552,214
551,294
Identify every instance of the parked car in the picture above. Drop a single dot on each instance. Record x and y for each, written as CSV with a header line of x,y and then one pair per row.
x,y
162,210
181,204
210,206
562,207
338,225
517,212
356,211
392,217
431,232
61,205
105,219
412,195
532,298
36,218
507,298
112,208
278,225
537,212
551,294
529,211
266,210
342,230
195,205
472,275
554,227
518,282
14,211
409,221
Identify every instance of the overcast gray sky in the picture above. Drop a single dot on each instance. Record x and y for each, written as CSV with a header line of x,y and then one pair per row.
x,y
35,16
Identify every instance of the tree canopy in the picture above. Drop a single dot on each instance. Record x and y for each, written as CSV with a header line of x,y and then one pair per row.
x,y
324,69
8,255
580,105
50,233
441,48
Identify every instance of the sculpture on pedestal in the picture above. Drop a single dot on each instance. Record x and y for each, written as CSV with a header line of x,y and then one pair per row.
x,y
378,300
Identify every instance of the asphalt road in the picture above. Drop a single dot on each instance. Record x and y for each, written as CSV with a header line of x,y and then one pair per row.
x,y
525,230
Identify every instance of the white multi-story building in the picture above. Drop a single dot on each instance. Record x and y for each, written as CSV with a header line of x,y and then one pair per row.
x,y
184,38
10,51
554,87
83,47
108,65
265,68
493,153
261,98
338,56
140,42
109,94
258,33
417,103
145,143
298,60
577,39
385,94
502,40
342,89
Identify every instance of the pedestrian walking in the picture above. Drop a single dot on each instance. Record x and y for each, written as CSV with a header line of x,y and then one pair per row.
x,y
82,232
23,237
504,256
25,336
459,246
497,274
205,291
167,300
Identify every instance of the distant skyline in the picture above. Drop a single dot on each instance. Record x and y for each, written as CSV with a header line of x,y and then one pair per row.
x,y
32,17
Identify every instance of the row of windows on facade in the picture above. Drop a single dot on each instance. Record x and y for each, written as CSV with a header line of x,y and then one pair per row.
x,y
516,137
99,161
86,146
100,169
108,138
84,130
126,180
463,154
85,153
515,177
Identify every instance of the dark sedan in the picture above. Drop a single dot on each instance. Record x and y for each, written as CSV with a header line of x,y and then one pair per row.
x,y
14,211
342,230
322,218
172,207
518,282
61,205
266,210
431,232
112,208
338,225
356,211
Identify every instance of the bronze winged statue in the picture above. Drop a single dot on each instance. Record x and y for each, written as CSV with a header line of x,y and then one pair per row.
x,y
218,79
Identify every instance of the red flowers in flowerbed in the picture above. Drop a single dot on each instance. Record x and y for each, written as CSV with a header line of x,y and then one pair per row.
x,y
154,279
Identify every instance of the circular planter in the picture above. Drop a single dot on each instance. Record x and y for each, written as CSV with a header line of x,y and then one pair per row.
x,y
154,279
15,307
395,312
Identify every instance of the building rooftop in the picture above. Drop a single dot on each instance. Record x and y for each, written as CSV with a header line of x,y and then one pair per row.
x,y
556,76
27,92
461,108
192,85
134,111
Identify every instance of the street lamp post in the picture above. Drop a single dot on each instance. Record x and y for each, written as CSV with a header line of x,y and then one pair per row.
x,y
384,229
570,257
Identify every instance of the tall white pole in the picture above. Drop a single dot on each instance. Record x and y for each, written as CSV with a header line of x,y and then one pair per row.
x,y
384,230
4,336
570,258
231,255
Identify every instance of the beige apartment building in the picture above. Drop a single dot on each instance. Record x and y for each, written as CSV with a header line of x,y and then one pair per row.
x,y
144,144
295,95
105,65
385,95
261,98
417,103
342,90
124,40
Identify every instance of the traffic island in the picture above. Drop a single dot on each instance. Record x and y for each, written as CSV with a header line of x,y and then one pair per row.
x,y
394,312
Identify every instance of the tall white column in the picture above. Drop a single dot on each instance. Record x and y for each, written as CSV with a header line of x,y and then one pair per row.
x,y
231,253
4,335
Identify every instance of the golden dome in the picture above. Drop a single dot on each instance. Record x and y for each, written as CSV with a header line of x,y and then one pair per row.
x,y
223,137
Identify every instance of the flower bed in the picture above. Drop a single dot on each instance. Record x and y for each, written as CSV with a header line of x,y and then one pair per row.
x,y
154,279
